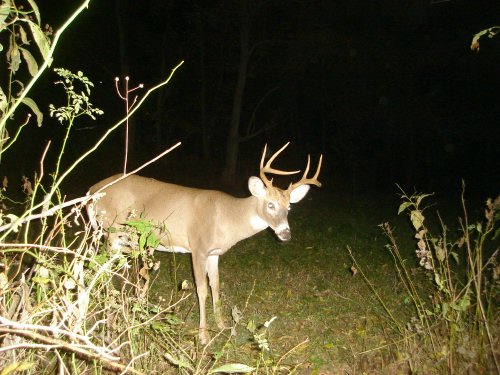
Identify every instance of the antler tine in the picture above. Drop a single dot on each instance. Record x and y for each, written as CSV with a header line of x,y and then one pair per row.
x,y
308,181
268,169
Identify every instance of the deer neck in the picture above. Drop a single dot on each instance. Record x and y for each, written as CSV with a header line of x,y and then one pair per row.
x,y
249,217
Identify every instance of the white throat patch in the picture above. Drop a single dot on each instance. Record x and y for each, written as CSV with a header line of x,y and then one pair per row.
x,y
257,223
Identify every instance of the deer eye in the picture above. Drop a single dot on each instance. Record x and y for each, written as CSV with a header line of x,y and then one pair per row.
x,y
271,206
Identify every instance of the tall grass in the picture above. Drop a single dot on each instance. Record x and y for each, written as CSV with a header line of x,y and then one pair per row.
x,y
455,326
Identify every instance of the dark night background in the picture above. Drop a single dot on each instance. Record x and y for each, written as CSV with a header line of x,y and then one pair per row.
x,y
388,91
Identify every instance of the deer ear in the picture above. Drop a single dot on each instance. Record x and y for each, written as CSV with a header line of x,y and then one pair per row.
x,y
298,193
256,187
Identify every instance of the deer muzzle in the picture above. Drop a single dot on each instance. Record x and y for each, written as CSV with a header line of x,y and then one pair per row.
x,y
284,234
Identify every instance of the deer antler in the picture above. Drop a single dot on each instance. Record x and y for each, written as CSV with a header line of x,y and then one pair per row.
x,y
308,181
267,168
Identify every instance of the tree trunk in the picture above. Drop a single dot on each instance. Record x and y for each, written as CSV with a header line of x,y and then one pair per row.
x,y
203,92
233,139
159,143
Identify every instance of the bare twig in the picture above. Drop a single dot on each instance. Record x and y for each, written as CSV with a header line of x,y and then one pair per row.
x,y
125,175
6,325
51,343
128,107
45,213
305,342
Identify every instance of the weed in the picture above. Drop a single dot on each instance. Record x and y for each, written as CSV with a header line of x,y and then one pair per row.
x,y
454,328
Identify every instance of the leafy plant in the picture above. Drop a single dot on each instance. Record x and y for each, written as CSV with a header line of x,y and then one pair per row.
x,y
457,313
490,33
21,23
57,290
22,26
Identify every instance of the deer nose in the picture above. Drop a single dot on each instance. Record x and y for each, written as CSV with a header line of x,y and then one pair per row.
x,y
285,234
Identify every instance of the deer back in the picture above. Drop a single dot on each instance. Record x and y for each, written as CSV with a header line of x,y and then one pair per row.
x,y
187,218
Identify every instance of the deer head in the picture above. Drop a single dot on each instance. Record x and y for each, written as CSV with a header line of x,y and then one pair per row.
x,y
274,203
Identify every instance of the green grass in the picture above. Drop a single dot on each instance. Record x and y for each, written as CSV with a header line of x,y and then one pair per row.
x,y
308,284
331,312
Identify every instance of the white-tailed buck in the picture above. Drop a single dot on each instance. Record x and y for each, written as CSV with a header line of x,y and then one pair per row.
x,y
205,223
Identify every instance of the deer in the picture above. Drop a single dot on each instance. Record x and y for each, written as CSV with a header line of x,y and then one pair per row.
x,y
204,223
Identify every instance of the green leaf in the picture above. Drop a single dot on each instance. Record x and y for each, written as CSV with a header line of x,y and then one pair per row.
x,y
440,253
15,58
497,234
41,280
420,197
232,368
35,10
121,263
24,36
329,345
3,101
142,241
462,304
180,362
141,225
30,60
251,326
417,219
439,281
17,367
5,8
152,241
173,319
445,307
41,39
404,206
31,103
101,258
160,327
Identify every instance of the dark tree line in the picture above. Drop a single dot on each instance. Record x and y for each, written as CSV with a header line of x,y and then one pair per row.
x,y
389,90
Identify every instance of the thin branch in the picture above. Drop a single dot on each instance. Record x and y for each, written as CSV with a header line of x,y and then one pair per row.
x,y
46,213
15,137
257,106
31,328
50,343
305,342
46,63
125,175
256,133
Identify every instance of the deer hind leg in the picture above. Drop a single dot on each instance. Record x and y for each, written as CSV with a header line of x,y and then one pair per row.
x,y
200,278
213,276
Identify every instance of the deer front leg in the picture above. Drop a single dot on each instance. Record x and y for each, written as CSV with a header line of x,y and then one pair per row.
x,y
213,276
200,279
